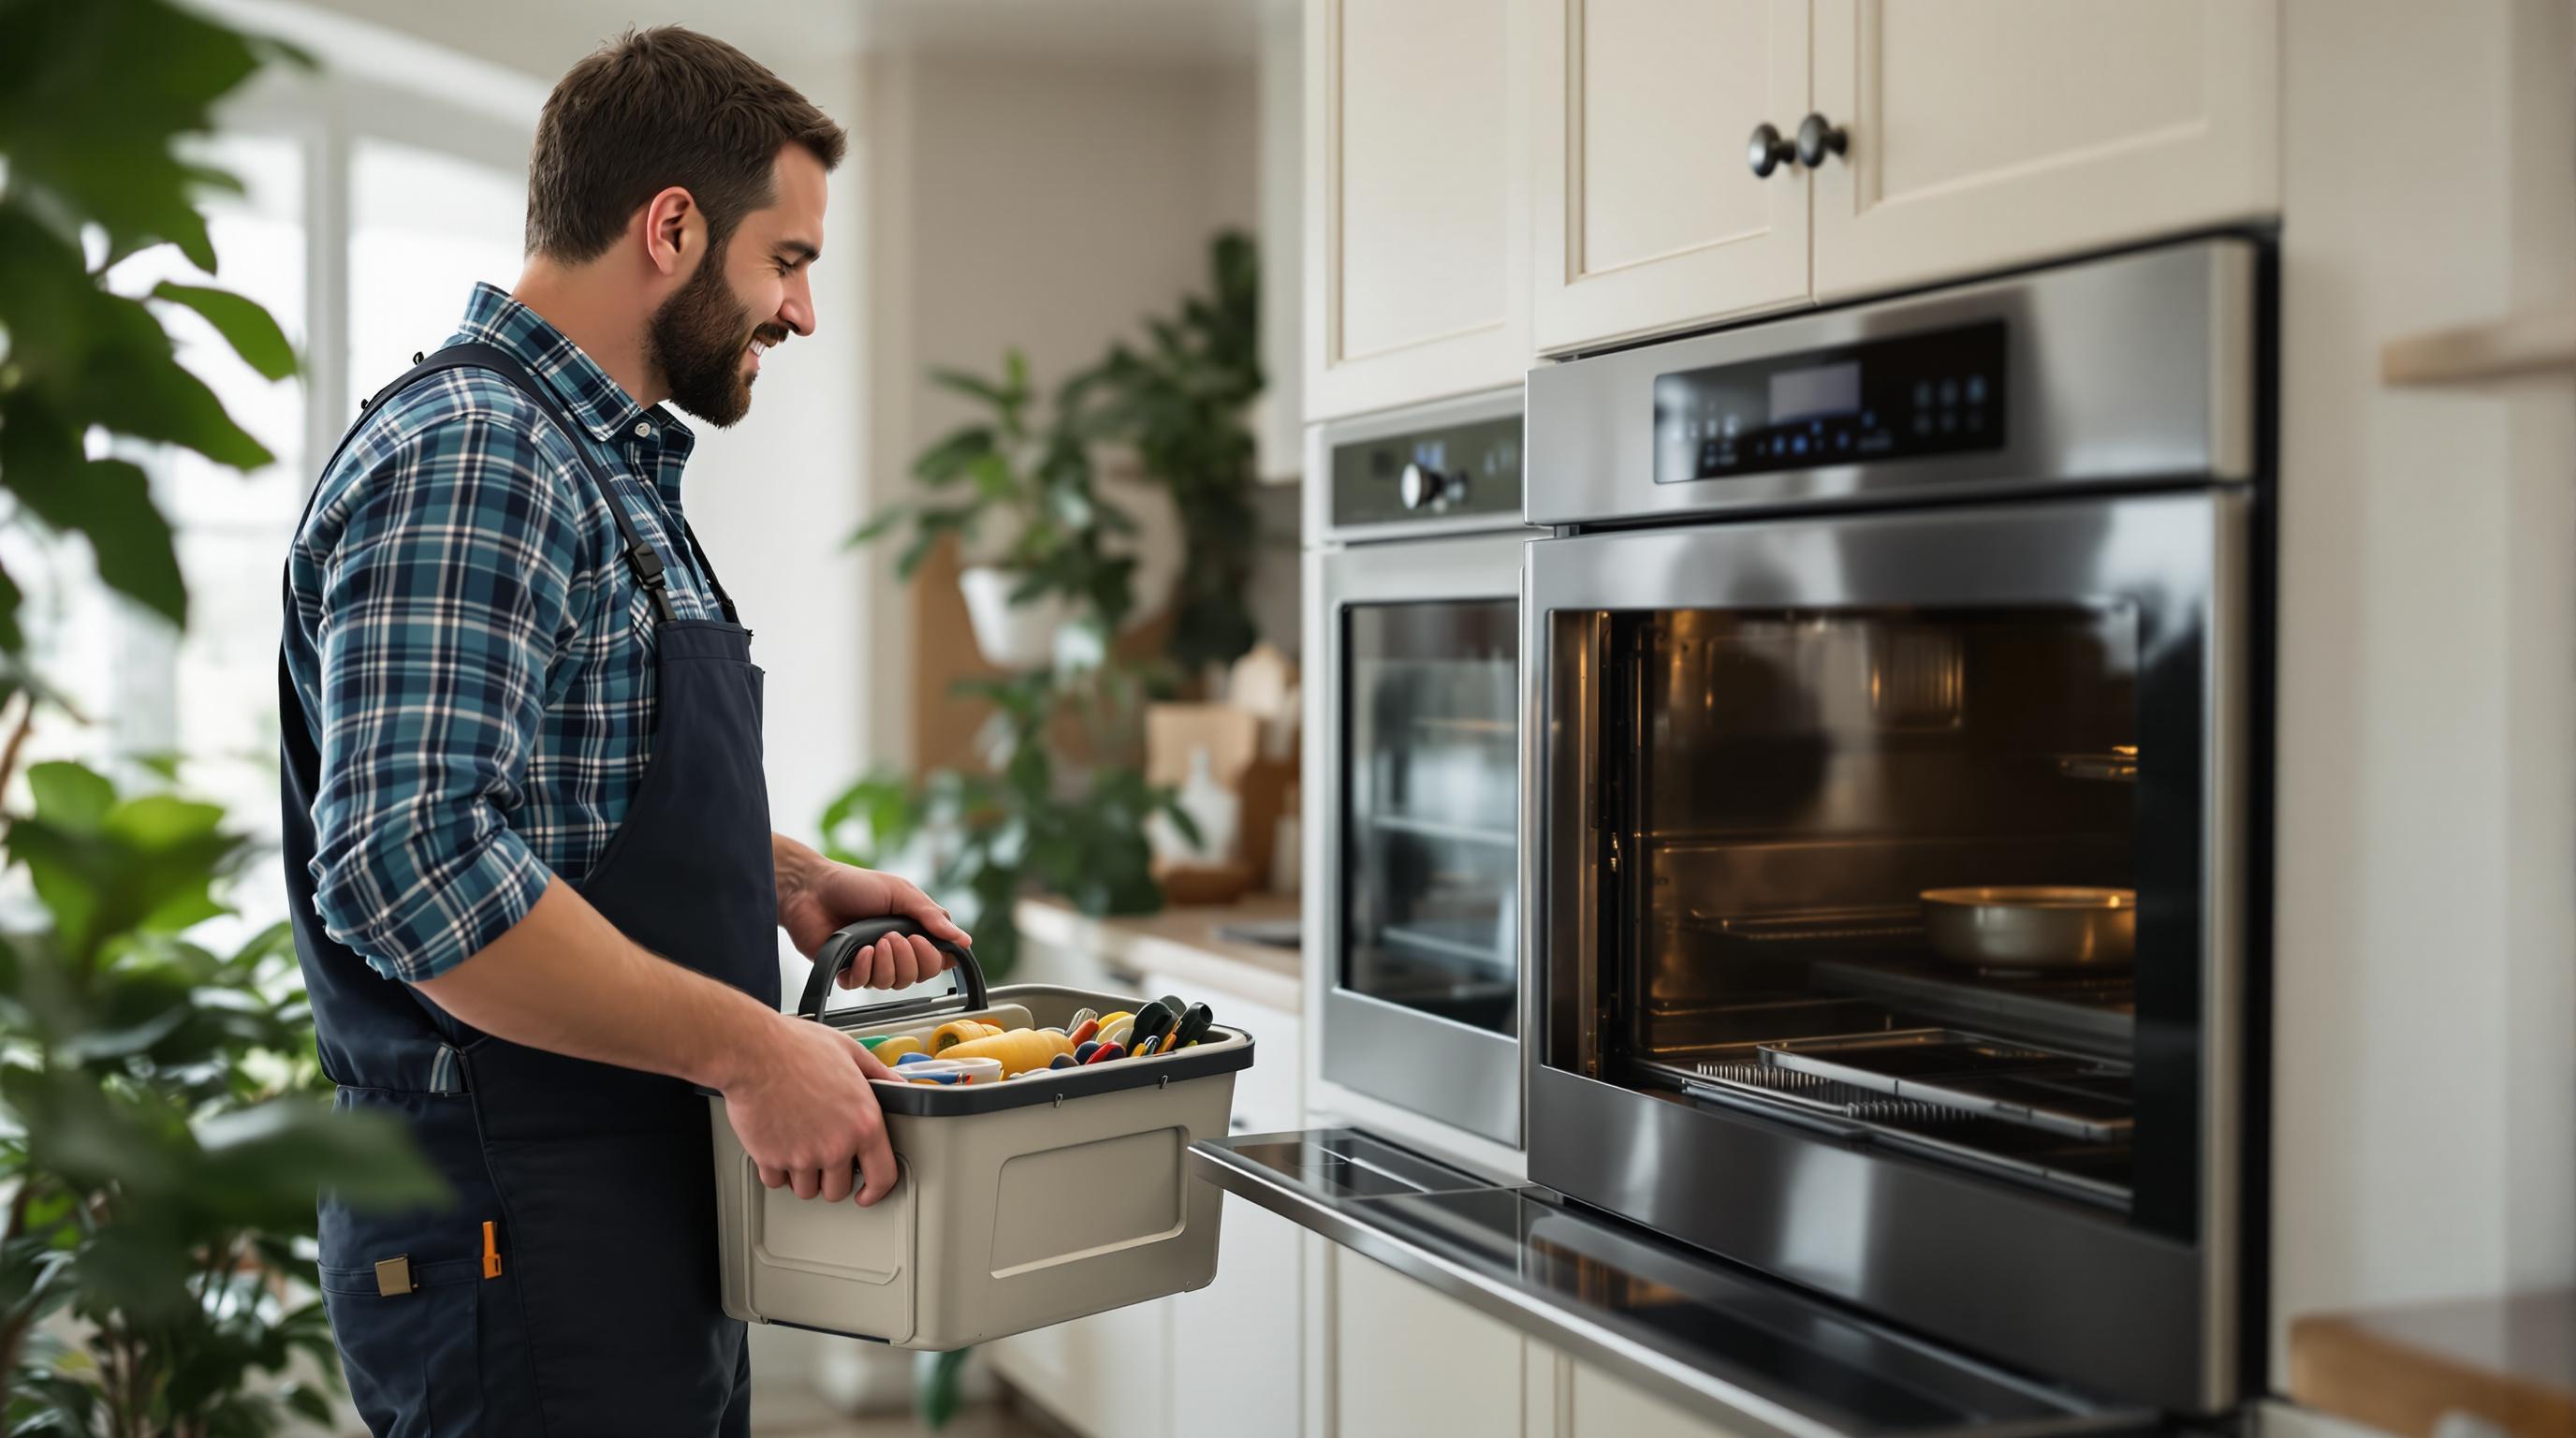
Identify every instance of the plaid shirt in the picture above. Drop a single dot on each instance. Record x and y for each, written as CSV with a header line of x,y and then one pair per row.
x,y
475,657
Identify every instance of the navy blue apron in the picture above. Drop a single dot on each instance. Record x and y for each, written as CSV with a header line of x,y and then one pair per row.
x,y
597,1181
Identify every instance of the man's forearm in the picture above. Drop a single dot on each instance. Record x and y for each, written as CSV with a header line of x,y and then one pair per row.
x,y
565,980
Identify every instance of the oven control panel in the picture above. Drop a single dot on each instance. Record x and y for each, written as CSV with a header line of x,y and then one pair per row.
x,y
1898,398
1436,472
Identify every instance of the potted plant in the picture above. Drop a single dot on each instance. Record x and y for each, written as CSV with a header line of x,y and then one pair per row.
x,y
1019,492
1181,403
161,1137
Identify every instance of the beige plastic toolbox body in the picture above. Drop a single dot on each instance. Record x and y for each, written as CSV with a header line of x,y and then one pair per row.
x,y
1020,1203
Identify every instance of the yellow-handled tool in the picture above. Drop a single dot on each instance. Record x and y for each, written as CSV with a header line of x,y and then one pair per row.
x,y
1019,1050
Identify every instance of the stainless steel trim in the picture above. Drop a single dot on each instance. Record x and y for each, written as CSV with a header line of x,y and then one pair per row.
x,y
1594,1335
2119,371
1983,1265
2042,1283
1454,1072
1322,438
1420,1061
1534,982
2154,548
2222,1095
2233,359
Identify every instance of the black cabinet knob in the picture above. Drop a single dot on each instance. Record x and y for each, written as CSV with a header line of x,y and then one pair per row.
x,y
1818,138
1765,151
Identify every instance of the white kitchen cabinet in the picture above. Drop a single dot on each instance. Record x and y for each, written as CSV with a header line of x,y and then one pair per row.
x,y
1403,1360
1417,200
1399,1358
1279,416
1647,216
1592,1404
1237,1343
1976,135
1103,1375
1989,133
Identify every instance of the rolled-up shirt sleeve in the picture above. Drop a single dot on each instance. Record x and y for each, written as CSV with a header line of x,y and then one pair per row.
x,y
444,604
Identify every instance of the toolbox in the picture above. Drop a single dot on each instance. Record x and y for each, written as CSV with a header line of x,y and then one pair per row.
x,y
1019,1203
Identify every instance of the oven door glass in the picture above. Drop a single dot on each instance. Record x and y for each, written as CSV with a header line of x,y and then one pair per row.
x,y
1880,866
1909,831
1429,874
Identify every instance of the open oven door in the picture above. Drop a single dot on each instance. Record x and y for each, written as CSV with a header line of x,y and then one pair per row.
x,y
1747,1352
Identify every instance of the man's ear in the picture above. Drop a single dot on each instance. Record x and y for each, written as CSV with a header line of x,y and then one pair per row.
x,y
674,230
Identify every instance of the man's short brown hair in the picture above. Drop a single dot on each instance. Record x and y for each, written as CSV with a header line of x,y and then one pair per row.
x,y
658,108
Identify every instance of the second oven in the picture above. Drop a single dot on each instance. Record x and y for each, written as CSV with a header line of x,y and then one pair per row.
x,y
1413,752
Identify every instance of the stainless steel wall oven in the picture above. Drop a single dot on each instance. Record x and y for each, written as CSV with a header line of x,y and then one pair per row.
x,y
1891,801
1413,747
1894,867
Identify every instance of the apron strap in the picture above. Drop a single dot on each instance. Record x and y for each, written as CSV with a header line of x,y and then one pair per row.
x,y
707,567
303,755
641,557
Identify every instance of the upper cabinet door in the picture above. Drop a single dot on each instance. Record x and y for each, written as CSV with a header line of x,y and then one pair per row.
x,y
1986,133
1417,201
1649,214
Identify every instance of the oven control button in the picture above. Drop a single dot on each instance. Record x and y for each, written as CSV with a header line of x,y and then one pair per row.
x,y
1422,487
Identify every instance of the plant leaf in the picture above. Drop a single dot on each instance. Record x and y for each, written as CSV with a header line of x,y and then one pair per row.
x,y
249,329
877,526
71,796
974,386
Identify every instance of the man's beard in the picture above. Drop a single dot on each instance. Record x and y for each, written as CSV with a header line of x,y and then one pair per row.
x,y
697,338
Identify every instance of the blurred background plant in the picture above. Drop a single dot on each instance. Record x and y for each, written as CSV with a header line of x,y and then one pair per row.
x,y
161,1131
1035,817
1017,488
1181,403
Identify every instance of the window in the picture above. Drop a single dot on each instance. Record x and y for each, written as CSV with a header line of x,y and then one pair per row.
x,y
411,228
424,227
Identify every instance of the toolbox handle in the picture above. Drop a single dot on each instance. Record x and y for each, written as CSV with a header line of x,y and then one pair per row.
x,y
835,954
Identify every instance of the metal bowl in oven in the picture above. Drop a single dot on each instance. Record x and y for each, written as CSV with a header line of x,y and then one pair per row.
x,y
2033,926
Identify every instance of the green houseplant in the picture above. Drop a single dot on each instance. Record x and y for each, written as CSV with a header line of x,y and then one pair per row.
x,y
166,1137
1025,471
160,1138
1027,819
1181,402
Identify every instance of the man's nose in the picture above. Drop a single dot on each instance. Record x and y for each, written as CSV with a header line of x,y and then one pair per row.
x,y
797,313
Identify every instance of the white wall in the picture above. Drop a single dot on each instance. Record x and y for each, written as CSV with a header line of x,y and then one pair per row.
x,y
2425,1070
1048,205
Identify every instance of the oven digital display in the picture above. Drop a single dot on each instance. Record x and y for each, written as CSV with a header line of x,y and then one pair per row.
x,y
1817,389
1911,396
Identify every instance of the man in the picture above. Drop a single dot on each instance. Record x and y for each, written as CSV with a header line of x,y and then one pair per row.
x,y
535,887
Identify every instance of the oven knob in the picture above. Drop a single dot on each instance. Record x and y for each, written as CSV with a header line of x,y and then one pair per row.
x,y
1422,487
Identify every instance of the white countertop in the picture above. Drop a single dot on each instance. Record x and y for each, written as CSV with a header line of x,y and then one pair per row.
x,y
1179,942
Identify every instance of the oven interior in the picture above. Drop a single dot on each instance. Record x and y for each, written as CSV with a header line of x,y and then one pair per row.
x,y
1430,795
1779,789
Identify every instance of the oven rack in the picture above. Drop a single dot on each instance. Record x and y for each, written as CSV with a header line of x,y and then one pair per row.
x,y
1737,1076
1813,1092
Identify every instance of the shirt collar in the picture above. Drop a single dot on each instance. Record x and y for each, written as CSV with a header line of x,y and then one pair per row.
x,y
598,404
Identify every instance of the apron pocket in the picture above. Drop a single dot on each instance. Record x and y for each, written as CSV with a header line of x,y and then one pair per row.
x,y
412,1358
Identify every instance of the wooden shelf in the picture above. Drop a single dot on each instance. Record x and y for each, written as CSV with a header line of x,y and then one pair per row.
x,y
2510,1362
2540,340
